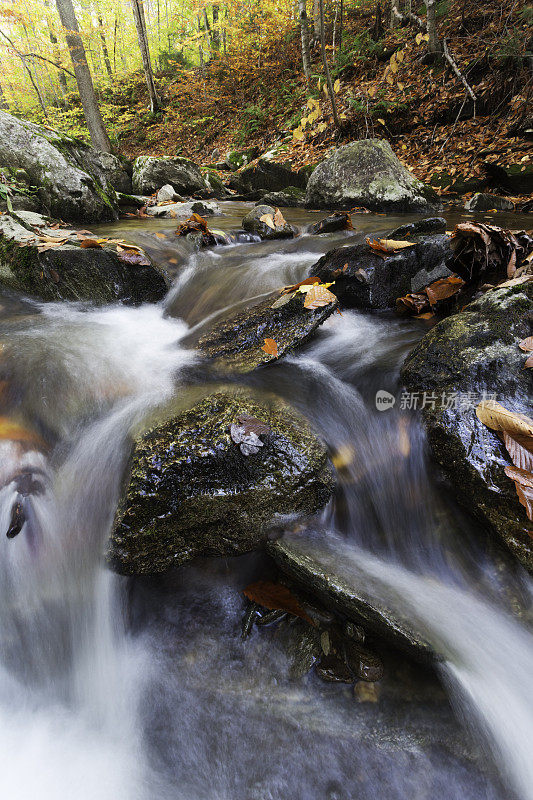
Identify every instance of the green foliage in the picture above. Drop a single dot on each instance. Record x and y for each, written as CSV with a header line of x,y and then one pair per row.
x,y
169,60
253,119
356,48
443,9
526,14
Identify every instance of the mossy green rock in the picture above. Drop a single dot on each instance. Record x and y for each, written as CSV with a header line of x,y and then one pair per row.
x,y
70,179
367,173
473,353
70,272
191,490
236,159
291,197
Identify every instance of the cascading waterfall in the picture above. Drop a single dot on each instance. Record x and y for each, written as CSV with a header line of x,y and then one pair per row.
x,y
71,679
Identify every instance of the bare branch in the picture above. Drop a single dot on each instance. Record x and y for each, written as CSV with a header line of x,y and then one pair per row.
x,y
457,71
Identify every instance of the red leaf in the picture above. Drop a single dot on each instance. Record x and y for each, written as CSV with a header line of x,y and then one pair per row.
x,y
276,597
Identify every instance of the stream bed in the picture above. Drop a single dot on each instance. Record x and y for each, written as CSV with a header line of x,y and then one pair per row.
x,y
116,688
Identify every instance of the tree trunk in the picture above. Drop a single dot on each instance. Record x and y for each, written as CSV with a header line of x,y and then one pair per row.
x,y
91,110
62,78
105,51
304,29
316,19
326,67
140,24
215,33
434,45
4,105
394,10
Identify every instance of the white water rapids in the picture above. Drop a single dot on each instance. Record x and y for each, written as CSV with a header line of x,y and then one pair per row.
x,y
72,679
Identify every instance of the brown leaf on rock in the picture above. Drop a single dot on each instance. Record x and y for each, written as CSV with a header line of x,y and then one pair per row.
x,y
295,286
253,425
498,418
9,429
268,219
387,246
520,449
194,224
444,288
270,347
279,220
133,257
523,481
529,362
90,243
526,344
276,597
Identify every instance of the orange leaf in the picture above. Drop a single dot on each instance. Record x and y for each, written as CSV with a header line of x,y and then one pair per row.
x,y
90,243
270,347
276,597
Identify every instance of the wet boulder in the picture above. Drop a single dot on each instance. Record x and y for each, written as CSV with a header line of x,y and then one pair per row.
x,y
193,490
215,185
488,202
335,222
49,263
265,176
68,178
150,173
462,359
167,193
315,562
368,279
237,343
291,197
367,173
268,223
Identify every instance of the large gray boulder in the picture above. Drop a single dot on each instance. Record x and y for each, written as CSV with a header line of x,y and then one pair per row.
x,y
32,263
69,179
193,491
464,357
367,173
150,174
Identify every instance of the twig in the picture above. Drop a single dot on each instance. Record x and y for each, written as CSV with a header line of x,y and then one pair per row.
x,y
408,16
458,72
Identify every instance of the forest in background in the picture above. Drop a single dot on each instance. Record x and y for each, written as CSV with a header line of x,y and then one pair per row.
x,y
449,83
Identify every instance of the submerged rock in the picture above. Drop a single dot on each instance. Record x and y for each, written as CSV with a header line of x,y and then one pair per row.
x,y
192,490
268,223
150,173
237,343
366,279
67,177
465,356
367,173
68,271
314,563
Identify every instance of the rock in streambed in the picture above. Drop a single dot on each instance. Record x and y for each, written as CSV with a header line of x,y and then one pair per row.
x,y
463,358
50,263
193,490
368,279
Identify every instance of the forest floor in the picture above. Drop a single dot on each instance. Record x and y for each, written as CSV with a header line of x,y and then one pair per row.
x,y
384,88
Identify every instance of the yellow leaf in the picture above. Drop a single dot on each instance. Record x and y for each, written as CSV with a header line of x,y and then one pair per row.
x,y
337,86
298,134
400,55
401,86
393,65
318,296
322,127
419,38
268,219
382,121
303,122
306,287
313,116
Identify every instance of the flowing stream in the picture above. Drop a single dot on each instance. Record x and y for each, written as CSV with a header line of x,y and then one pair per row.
x,y
132,689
